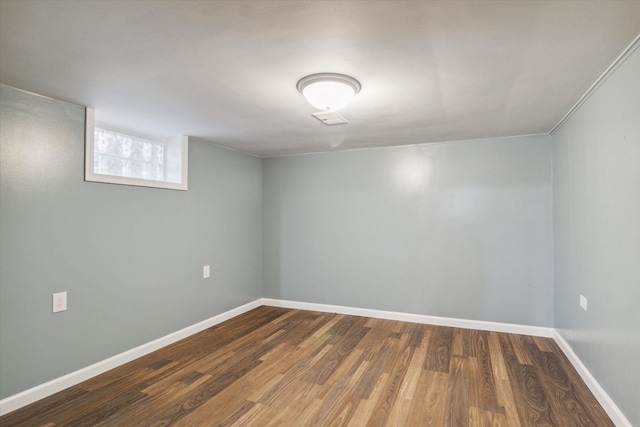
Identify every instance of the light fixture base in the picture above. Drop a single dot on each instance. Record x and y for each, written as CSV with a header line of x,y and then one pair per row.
x,y
328,77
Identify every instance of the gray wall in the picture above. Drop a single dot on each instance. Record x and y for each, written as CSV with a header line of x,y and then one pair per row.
x,y
597,234
461,230
130,257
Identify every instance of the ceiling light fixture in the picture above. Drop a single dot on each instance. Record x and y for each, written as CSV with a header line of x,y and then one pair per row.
x,y
328,91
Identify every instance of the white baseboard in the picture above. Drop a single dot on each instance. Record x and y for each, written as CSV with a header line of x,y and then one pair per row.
x,y
603,398
34,394
41,391
538,331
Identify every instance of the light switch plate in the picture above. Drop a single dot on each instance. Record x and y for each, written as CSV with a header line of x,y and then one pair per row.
x,y
205,272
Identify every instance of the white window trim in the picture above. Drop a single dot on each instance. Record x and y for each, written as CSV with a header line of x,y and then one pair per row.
x,y
89,175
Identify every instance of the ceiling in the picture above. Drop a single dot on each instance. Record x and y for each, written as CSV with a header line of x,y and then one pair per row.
x,y
226,71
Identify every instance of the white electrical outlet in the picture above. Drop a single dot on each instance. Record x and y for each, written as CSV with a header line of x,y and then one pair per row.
x,y
205,272
59,302
583,302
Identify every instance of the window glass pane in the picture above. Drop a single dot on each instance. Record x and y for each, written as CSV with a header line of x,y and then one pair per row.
x,y
122,155
117,158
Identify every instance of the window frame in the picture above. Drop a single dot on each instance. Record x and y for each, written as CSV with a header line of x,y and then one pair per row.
x,y
91,176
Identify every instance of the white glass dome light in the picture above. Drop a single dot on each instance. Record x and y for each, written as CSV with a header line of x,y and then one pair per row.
x,y
328,91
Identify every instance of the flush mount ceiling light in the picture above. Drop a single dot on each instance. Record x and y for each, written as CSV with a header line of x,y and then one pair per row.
x,y
328,91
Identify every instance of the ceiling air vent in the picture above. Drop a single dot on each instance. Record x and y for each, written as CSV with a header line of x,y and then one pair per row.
x,y
330,118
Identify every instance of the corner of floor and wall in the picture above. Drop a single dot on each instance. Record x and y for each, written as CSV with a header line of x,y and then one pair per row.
x,y
508,232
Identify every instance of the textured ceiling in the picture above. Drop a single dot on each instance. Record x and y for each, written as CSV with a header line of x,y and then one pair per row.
x,y
226,71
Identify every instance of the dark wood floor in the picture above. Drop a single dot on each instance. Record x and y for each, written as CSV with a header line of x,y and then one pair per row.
x,y
280,367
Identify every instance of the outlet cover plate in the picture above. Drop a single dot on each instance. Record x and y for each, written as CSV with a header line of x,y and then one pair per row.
x,y
583,302
59,302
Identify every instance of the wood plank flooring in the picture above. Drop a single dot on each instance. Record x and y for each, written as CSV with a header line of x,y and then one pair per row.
x,y
281,367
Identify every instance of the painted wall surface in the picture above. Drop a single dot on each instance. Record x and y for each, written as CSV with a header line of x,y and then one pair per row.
x,y
130,258
597,234
452,229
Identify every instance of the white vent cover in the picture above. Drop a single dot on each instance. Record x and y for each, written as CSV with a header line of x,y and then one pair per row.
x,y
330,118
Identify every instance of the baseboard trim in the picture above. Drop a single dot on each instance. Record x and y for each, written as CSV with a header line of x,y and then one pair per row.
x,y
19,400
36,393
603,398
538,331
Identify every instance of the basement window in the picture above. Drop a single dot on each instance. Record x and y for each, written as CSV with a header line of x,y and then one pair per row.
x,y
119,158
